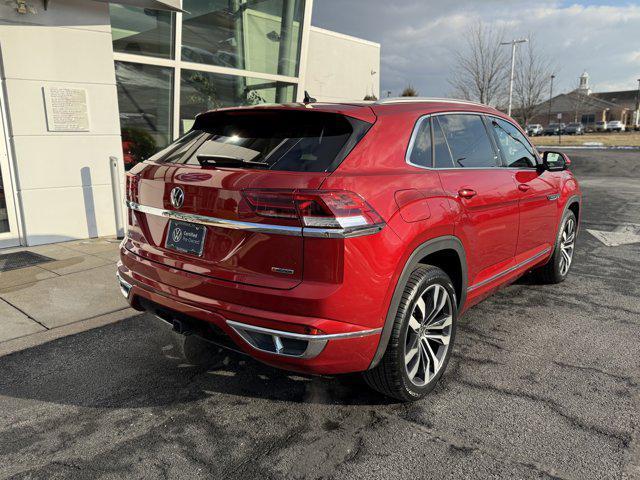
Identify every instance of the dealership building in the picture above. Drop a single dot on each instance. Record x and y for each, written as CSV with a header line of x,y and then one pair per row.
x,y
87,84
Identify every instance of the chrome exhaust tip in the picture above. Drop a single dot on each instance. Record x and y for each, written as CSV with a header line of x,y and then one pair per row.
x,y
290,344
286,344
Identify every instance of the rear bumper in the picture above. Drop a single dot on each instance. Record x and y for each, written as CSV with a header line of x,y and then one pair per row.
x,y
274,338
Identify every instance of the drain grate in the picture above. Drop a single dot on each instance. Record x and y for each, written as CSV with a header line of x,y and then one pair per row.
x,y
16,260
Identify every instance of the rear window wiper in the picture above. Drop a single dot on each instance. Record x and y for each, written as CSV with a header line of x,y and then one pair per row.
x,y
226,161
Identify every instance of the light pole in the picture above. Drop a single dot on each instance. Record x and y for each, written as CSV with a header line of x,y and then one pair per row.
x,y
513,44
638,106
550,97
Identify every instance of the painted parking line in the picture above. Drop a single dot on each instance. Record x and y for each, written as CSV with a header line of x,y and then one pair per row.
x,y
621,235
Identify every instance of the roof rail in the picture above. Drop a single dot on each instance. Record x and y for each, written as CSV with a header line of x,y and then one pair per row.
x,y
385,101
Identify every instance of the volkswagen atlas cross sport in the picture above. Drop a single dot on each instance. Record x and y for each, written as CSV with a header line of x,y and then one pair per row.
x,y
338,238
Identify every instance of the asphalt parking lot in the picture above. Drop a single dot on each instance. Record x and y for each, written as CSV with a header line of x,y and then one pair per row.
x,y
543,384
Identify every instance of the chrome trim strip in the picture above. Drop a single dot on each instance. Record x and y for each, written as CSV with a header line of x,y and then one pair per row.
x,y
125,287
414,134
216,222
312,232
508,270
302,336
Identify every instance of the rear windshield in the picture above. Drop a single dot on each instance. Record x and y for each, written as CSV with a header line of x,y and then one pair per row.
x,y
298,141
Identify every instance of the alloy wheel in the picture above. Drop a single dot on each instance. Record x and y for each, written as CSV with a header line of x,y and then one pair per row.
x,y
567,244
428,334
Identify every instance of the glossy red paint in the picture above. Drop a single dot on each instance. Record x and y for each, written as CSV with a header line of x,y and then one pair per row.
x,y
501,216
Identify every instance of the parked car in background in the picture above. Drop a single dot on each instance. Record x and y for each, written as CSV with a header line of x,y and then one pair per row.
x,y
601,126
534,129
575,128
615,126
554,129
317,239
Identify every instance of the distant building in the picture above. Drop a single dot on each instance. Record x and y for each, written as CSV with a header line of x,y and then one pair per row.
x,y
583,105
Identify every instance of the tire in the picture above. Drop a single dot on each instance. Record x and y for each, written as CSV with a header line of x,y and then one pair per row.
x,y
556,270
427,286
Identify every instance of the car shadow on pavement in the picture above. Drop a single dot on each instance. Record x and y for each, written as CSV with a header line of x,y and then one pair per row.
x,y
139,362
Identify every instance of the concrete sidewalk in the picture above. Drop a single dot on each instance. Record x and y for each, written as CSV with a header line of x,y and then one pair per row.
x,y
74,292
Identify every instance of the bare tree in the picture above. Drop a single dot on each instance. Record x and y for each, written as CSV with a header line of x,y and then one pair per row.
x,y
531,80
409,91
480,71
579,102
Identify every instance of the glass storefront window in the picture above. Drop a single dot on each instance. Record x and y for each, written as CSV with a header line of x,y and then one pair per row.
x,y
141,31
201,91
256,35
145,100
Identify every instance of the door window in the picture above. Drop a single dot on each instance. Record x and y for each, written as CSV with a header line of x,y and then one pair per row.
x,y
517,151
468,141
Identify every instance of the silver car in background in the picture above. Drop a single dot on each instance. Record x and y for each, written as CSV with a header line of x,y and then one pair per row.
x,y
534,129
615,126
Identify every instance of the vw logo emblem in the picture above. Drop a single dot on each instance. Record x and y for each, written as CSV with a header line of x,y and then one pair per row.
x,y
177,235
177,197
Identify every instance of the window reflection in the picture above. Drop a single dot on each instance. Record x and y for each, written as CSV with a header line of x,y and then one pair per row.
x,y
255,35
201,91
144,99
141,31
4,215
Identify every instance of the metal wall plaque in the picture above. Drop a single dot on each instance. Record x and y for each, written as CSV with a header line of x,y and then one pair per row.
x,y
67,109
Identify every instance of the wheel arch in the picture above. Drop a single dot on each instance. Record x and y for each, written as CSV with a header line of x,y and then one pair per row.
x,y
444,252
574,204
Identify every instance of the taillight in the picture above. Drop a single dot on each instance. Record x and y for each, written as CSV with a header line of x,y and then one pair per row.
x,y
131,193
335,209
317,209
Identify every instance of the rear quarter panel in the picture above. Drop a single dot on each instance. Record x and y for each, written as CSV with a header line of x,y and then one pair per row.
x,y
376,170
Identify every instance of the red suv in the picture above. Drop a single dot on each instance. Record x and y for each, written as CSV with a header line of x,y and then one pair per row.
x,y
335,238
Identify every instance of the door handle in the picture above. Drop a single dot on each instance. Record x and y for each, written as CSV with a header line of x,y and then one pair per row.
x,y
467,193
523,187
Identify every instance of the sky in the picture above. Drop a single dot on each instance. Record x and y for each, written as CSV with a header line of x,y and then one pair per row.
x,y
418,37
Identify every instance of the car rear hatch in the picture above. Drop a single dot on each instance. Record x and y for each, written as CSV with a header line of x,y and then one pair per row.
x,y
220,201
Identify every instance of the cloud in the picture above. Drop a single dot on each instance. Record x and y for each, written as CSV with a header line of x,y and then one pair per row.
x,y
419,37
633,58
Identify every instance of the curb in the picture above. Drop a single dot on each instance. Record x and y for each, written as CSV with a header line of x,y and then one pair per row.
x,y
40,338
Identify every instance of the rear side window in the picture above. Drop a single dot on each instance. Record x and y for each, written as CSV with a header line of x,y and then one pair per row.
x,y
421,149
468,141
297,141
441,149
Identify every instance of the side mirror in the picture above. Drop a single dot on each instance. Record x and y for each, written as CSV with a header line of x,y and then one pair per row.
x,y
555,161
